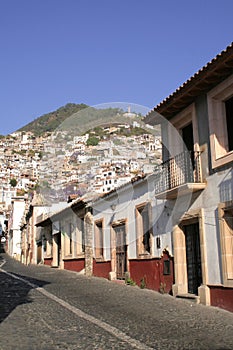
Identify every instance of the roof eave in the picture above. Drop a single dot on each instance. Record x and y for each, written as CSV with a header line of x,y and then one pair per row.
x,y
206,78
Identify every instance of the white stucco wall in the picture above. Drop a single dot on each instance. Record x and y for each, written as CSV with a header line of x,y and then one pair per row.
x,y
17,214
126,199
219,189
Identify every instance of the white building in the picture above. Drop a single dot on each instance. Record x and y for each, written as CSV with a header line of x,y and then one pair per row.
x,y
14,243
6,194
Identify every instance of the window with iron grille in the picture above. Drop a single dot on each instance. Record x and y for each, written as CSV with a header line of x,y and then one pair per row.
x,y
229,122
99,250
144,236
220,114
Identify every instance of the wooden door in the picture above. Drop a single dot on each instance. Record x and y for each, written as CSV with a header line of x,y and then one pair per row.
x,y
59,249
193,256
121,251
57,238
39,254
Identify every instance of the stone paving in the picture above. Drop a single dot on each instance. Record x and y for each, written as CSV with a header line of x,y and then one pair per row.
x,y
46,308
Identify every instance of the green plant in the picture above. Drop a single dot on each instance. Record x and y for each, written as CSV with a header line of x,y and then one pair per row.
x,y
162,288
130,282
20,192
13,182
143,282
93,141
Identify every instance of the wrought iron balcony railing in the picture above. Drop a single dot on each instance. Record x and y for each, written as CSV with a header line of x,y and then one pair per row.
x,y
182,169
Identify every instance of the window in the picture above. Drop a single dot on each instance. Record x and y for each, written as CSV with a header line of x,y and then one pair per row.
x,y
220,113
99,250
45,245
186,124
187,136
144,234
66,231
229,122
181,148
83,235
80,235
166,267
70,238
226,230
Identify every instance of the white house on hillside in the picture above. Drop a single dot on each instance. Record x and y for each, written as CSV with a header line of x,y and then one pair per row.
x,y
14,235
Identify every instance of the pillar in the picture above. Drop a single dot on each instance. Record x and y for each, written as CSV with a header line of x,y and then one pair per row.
x,y
88,219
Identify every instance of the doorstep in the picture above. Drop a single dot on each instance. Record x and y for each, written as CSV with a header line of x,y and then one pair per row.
x,y
119,281
190,297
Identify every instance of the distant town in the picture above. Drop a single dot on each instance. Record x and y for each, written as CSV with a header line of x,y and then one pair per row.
x,y
61,165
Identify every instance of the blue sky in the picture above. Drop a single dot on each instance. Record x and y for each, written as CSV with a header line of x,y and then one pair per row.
x,y
86,51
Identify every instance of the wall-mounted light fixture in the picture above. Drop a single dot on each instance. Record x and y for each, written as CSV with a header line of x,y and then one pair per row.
x,y
166,267
113,206
158,242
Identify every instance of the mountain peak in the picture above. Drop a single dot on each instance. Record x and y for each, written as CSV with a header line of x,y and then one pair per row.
x,y
50,121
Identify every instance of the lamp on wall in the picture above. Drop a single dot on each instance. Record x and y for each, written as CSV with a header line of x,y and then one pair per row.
x,y
158,242
113,206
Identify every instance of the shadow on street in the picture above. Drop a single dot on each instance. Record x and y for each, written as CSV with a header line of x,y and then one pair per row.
x,y
14,292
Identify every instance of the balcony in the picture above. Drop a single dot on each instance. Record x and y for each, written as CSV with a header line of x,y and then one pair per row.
x,y
179,175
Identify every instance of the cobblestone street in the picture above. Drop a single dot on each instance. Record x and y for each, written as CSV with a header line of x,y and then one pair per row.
x,y
45,308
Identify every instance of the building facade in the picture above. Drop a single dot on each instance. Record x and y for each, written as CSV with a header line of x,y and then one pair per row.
x,y
197,172
14,225
115,236
171,231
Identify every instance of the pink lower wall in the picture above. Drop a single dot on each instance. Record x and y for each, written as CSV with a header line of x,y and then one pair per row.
x,y
74,264
152,272
48,261
221,297
101,269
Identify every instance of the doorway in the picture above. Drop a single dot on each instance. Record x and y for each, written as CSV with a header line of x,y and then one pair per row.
x,y
187,136
57,238
121,251
193,257
39,254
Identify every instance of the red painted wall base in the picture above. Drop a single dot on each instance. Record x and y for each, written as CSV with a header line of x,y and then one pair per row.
x,y
48,261
74,264
152,273
101,269
221,297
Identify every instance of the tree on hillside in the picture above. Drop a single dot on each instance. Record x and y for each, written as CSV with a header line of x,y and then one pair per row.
x,y
92,141
13,182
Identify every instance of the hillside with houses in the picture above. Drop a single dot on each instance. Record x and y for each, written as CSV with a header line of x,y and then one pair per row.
x,y
62,163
